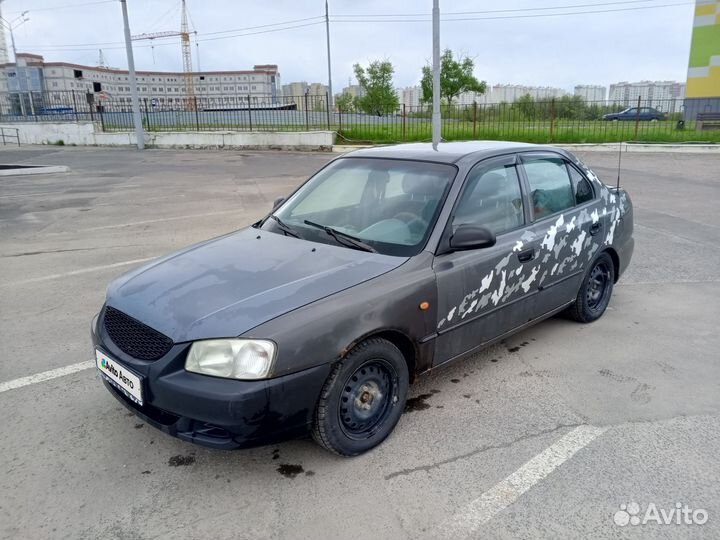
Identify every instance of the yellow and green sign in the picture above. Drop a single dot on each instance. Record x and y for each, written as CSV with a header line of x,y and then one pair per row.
x,y
704,71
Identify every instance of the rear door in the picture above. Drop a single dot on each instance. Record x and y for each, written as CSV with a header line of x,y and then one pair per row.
x,y
565,220
484,293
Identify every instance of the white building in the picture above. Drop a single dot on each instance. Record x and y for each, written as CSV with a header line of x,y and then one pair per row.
x,y
410,96
161,89
295,93
663,95
512,92
591,93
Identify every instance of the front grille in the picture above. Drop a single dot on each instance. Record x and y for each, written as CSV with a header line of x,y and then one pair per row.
x,y
134,338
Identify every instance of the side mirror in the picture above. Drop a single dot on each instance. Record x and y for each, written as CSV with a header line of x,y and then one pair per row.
x,y
277,202
471,237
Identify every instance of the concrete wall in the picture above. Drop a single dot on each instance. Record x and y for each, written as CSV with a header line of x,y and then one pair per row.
x,y
89,134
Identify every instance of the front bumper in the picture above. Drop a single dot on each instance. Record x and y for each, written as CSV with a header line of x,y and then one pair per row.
x,y
215,412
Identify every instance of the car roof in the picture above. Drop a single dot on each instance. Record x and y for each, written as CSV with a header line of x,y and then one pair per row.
x,y
447,152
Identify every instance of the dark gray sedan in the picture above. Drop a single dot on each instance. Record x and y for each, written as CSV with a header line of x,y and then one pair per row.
x,y
387,263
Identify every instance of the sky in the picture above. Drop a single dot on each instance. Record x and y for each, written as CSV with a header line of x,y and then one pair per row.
x,y
517,46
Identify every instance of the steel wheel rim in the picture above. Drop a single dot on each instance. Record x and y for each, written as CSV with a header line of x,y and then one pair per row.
x,y
367,399
598,286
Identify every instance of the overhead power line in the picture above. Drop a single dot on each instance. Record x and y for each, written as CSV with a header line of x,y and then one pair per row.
x,y
534,15
64,6
514,10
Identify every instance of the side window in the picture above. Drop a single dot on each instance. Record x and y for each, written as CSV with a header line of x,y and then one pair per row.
x,y
492,199
581,185
550,189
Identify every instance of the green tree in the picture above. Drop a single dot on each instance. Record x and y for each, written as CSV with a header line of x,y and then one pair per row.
x,y
526,106
456,77
376,81
571,107
344,102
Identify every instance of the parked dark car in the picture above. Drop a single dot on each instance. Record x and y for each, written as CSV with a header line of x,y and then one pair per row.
x,y
385,264
644,114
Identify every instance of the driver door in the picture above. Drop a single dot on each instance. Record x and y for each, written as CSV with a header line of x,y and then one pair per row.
x,y
484,293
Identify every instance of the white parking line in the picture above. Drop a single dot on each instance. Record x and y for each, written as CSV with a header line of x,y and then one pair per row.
x,y
465,523
45,376
75,272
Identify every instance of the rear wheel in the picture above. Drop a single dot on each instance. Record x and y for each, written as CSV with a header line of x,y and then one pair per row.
x,y
595,291
363,398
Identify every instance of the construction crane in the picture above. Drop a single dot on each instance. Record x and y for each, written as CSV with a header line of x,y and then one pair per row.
x,y
184,34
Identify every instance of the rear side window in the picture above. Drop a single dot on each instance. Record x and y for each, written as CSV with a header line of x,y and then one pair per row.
x,y
550,187
581,186
492,200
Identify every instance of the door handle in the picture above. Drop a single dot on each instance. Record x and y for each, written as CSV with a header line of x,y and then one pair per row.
x,y
595,228
526,255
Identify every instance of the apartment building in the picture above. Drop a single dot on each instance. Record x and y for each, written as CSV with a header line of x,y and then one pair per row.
x,y
591,92
663,95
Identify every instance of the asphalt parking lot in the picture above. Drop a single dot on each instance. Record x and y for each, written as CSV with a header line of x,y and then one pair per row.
x,y
482,450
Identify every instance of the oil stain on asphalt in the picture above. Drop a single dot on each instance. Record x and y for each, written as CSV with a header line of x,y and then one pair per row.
x,y
291,471
418,403
181,461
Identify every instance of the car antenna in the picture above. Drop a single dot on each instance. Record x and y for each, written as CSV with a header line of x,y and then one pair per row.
x,y
619,162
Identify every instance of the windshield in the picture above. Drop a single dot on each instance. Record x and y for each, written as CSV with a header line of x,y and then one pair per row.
x,y
387,205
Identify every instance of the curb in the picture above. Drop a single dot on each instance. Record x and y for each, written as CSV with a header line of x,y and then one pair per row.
x,y
595,147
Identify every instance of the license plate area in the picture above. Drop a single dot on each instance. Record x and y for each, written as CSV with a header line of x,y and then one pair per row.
x,y
122,378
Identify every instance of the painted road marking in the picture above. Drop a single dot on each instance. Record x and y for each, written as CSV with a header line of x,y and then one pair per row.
x,y
465,523
45,376
75,272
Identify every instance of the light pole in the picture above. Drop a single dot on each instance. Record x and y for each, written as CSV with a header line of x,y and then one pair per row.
x,y
327,33
11,25
436,74
137,120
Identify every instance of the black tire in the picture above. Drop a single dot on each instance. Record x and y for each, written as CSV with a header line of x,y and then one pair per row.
x,y
373,379
595,291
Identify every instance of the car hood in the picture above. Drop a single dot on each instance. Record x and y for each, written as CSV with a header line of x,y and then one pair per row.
x,y
227,286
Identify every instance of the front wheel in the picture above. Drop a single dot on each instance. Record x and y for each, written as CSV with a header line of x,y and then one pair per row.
x,y
363,398
595,291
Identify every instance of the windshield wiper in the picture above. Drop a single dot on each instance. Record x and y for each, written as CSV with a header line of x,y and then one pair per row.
x,y
342,238
284,227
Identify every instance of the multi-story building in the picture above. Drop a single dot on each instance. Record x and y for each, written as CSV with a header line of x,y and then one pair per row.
x,y
410,96
159,89
591,93
663,95
295,93
512,92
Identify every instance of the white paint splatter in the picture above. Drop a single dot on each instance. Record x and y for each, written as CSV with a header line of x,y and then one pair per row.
x,y
497,295
570,226
518,245
554,268
517,272
526,284
594,216
576,246
451,314
471,308
549,240
486,281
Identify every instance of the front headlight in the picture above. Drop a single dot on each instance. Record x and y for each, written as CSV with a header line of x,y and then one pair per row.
x,y
232,358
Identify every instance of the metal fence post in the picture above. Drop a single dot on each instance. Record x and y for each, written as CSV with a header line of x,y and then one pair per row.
x,y
147,117
474,119
249,113
339,119
327,106
307,114
102,119
74,107
197,117
637,119
403,122
552,119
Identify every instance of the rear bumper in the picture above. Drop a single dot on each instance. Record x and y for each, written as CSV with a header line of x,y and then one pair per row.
x,y
215,412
